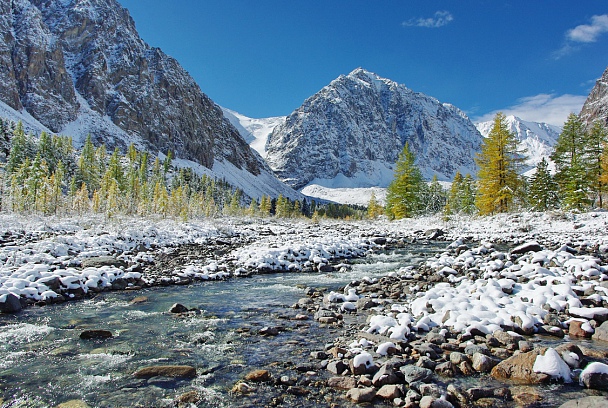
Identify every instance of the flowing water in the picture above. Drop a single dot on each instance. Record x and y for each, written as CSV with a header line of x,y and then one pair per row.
x,y
43,362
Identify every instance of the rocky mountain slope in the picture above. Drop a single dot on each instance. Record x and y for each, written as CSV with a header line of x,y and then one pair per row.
x,y
596,104
351,132
79,66
538,139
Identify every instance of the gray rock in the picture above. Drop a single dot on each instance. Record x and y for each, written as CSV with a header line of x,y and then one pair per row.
x,y
587,402
413,373
531,246
99,261
457,357
432,402
596,381
12,304
385,375
178,308
601,332
389,392
342,383
361,394
507,338
482,363
471,349
336,367
445,369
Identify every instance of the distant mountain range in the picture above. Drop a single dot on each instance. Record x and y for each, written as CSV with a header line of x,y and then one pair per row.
x,y
76,67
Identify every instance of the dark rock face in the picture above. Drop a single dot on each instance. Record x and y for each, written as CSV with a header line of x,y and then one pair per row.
x,y
61,60
359,123
596,104
32,67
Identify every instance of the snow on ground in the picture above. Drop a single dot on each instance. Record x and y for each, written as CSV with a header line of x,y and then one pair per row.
x,y
354,196
41,258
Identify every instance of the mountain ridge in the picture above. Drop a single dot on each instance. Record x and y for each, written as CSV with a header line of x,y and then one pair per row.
x,y
79,66
355,127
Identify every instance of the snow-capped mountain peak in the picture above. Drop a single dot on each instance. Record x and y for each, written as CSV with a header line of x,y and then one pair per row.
x,y
538,139
350,133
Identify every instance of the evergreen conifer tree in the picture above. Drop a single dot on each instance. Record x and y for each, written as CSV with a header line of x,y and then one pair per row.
x,y
543,189
568,156
594,148
403,197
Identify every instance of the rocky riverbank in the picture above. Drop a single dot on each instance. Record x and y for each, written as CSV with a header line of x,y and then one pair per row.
x,y
387,354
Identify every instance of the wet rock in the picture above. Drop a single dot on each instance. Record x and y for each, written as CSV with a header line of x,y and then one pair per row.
x,y
413,373
242,388
11,304
96,334
139,299
385,375
389,392
528,399
336,367
178,308
269,331
73,404
427,349
258,376
361,394
518,368
432,402
482,363
445,369
191,397
587,402
342,383
173,371
338,352
531,246
601,332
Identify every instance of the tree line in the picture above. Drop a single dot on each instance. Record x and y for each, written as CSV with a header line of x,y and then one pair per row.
x,y
579,180
47,175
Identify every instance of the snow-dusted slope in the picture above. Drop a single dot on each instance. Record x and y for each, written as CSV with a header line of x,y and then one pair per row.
x,y
255,131
538,139
76,67
350,133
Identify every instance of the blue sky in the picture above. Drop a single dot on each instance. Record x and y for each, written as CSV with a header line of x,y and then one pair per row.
x,y
538,59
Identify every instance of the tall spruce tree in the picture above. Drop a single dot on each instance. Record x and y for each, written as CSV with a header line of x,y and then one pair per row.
x,y
499,162
434,197
593,150
568,157
542,194
403,198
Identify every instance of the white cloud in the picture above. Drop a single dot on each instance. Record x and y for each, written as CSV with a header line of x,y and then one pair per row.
x,y
549,108
583,34
587,33
439,19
